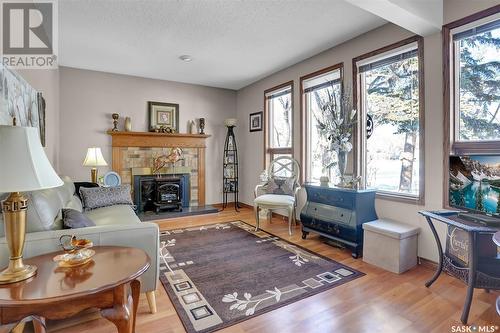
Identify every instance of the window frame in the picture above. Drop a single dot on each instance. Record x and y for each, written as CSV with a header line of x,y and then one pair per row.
x,y
304,123
451,145
268,151
360,139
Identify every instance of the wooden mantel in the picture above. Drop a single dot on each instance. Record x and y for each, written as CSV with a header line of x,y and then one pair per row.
x,y
121,140
153,139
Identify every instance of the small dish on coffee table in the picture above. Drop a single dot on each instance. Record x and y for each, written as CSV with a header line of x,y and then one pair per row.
x,y
74,258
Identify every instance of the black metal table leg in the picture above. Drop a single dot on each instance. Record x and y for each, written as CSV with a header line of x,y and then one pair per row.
x,y
440,253
471,279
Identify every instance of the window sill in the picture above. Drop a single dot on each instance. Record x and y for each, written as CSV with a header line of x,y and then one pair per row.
x,y
408,199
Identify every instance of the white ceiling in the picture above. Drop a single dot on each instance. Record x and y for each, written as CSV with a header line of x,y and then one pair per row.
x,y
233,43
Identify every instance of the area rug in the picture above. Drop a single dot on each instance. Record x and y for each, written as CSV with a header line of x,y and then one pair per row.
x,y
220,274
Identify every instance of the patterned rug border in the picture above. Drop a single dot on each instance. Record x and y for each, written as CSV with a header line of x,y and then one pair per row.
x,y
233,322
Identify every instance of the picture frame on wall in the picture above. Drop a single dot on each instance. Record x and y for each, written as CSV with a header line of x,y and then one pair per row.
x,y
255,122
163,117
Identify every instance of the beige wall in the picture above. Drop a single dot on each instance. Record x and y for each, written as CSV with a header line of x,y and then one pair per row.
x,y
47,82
250,99
88,98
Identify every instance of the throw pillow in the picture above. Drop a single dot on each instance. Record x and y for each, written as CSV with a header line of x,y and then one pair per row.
x,y
280,185
73,219
98,197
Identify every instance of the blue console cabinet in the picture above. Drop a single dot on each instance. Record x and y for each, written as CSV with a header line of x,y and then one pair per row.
x,y
338,214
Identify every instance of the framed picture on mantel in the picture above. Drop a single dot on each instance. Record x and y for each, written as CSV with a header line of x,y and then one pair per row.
x,y
163,117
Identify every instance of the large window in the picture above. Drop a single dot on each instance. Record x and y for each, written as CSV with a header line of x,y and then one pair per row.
x,y
320,89
279,121
475,56
389,86
471,84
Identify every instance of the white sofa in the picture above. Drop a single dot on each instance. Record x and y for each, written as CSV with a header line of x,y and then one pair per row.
x,y
115,225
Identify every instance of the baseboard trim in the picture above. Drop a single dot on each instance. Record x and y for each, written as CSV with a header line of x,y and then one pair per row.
x,y
428,263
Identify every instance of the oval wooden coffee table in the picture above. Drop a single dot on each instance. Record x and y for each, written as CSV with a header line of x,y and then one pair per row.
x,y
108,282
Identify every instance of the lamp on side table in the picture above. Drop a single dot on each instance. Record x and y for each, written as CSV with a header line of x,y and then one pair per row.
x,y
24,167
94,159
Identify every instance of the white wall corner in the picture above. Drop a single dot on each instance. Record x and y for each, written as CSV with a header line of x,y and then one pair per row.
x,y
422,17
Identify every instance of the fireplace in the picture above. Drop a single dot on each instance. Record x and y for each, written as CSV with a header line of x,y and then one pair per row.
x,y
168,193
161,192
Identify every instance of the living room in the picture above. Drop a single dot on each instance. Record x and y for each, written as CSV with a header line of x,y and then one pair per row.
x,y
258,166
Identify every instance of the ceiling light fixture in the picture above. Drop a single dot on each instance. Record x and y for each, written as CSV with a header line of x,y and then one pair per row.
x,y
186,58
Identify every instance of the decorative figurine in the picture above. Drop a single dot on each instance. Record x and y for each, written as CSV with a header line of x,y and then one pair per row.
x,y
192,127
202,125
115,121
128,124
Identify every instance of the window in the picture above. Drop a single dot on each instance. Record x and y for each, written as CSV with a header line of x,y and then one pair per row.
x,y
471,83
318,89
279,121
391,104
475,53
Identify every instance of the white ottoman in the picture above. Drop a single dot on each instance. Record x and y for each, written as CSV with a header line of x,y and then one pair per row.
x,y
390,245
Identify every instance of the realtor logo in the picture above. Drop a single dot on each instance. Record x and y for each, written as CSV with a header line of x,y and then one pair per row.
x,y
29,34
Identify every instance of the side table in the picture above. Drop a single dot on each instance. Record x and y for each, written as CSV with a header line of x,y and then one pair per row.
x,y
496,240
108,282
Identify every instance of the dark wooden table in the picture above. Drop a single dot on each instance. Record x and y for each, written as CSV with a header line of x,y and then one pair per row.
x,y
481,272
108,282
496,240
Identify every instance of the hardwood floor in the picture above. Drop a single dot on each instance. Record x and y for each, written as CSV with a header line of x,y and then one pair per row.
x,y
378,302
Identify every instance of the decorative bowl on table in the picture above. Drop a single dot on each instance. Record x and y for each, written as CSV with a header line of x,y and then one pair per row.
x,y
77,251
74,258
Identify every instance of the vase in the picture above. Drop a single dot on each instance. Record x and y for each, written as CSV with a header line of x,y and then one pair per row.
x,y
128,124
342,163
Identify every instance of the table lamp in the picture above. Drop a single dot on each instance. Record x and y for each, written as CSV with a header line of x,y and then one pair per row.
x,y
24,167
94,159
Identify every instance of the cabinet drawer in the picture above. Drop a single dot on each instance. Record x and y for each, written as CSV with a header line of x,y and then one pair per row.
x,y
333,198
330,214
334,229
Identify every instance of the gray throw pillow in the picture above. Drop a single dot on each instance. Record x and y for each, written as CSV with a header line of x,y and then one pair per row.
x,y
280,185
73,219
98,197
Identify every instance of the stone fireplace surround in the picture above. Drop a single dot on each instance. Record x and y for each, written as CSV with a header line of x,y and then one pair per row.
x,y
133,154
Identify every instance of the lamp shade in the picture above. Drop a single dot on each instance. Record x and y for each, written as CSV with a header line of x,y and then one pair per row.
x,y
94,158
23,163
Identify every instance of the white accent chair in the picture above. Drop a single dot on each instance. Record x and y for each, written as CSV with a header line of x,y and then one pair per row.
x,y
283,169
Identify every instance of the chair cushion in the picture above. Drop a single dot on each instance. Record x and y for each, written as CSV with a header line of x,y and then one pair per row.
x,y
275,199
98,197
118,214
280,185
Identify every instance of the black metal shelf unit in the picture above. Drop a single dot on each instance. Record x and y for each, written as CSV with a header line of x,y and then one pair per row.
x,y
230,169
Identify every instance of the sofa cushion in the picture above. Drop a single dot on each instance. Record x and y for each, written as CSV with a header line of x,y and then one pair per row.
x,y
44,207
73,219
98,197
74,203
66,191
117,214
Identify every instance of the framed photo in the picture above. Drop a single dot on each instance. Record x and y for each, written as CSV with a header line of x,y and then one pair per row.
x,y
163,116
256,121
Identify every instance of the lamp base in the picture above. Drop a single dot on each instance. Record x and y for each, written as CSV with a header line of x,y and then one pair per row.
x,y
15,275
93,175
14,216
